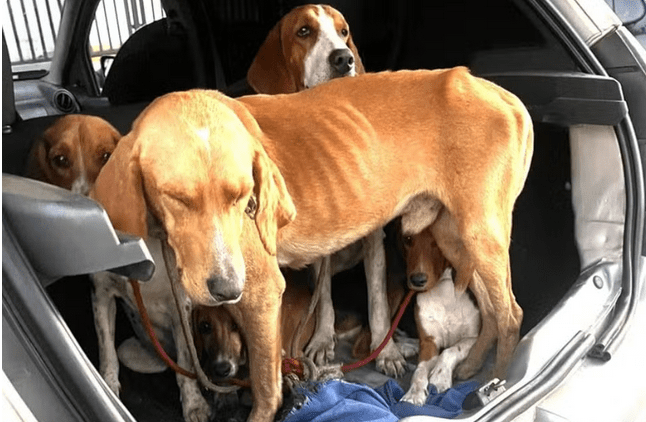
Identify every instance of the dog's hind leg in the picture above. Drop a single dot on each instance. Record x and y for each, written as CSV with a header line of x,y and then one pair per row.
x,y
491,259
321,346
104,307
390,361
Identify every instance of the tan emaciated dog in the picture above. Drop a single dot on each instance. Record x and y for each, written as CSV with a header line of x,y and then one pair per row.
x,y
434,147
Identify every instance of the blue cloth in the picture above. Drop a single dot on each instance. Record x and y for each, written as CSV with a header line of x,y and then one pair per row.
x,y
340,401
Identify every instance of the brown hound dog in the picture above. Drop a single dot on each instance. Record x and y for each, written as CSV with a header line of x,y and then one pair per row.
x,y
310,45
197,160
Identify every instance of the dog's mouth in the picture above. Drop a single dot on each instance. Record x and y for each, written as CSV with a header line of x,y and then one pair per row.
x,y
418,282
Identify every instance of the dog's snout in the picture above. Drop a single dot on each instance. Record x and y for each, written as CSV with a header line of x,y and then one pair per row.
x,y
342,60
222,369
222,290
418,279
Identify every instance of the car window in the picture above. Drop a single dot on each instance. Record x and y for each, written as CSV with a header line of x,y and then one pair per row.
x,y
30,30
31,27
114,22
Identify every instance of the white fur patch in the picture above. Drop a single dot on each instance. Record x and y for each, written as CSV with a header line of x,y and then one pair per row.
x,y
204,134
317,64
454,322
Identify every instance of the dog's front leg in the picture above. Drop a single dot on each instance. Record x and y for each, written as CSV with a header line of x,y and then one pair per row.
x,y
104,307
194,405
321,346
390,361
442,374
258,316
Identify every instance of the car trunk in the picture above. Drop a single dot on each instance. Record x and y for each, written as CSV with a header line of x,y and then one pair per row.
x,y
568,229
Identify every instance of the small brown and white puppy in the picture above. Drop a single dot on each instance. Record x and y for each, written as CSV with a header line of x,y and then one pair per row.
x,y
448,322
219,342
72,151
311,45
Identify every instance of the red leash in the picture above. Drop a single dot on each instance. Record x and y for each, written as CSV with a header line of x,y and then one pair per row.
x,y
151,333
295,366
289,365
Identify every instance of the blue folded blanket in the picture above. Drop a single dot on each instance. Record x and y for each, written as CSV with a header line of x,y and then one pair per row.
x,y
338,401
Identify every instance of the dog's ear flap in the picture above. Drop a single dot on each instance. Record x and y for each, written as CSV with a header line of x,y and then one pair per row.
x,y
37,160
275,207
119,189
358,64
268,73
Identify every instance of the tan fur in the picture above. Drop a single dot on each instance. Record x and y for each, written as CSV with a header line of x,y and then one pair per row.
x,y
72,151
192,199
149,177
448,139
278,65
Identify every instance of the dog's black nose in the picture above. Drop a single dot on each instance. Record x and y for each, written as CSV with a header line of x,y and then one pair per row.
x,y
418,279
222,290
222,369
342,60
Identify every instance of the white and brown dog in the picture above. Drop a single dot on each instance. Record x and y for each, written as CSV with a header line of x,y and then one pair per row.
x,y
448,321
72,151
311,45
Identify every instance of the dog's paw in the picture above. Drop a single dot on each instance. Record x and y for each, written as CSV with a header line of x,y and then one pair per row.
x,y
321,349
415,395
441,377
408,348
112,379
391,362
196,408
467,369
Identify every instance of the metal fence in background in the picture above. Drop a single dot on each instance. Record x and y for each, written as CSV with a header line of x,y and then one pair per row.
x,y
30,26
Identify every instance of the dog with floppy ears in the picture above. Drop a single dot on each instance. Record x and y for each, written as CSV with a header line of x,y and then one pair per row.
x,y
70,154
445,319
310,45
72,151
268,180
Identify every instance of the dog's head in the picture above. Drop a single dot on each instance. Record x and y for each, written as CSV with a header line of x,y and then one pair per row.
x,y
72,151
191,169
218,341
425,262
310,45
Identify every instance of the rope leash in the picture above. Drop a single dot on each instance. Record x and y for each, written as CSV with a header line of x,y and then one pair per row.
x,y
295,366
159,349
288,366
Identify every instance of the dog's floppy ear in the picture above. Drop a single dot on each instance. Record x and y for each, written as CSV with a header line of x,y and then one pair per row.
x,y
358,64
37,160
275,208
268,73
119,189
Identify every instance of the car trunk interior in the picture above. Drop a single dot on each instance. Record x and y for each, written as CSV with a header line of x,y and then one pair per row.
x,y
489,37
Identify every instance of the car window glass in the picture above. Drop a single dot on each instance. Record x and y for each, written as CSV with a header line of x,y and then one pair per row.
x,y
30,29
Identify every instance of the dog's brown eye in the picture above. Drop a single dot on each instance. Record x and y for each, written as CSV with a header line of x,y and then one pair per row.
x,y
252,207
344,32
408,240
61,161
105,157
304,31
204,327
